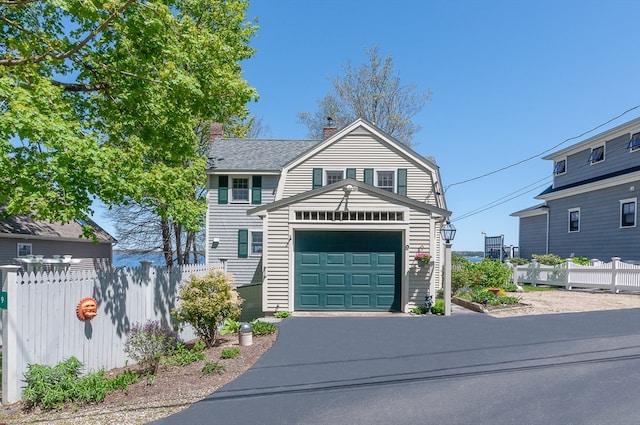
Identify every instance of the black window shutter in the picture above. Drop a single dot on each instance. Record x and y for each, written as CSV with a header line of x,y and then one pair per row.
x,y
402,181
351,173
256,190
317,177
243,243
223,189
368,175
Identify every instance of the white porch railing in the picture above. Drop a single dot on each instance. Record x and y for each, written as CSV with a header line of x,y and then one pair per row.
x,y
615,276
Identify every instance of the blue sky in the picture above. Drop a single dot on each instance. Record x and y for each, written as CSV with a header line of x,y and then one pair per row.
x,y
510,80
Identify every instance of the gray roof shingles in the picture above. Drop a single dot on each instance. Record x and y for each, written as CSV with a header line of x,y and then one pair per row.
x,y
23,225
256,154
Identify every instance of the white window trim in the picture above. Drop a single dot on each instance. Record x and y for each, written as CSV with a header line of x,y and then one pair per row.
x,y
395,179
569,220
21,244
635,211
604,153
565,167
325,177
240,201
251,253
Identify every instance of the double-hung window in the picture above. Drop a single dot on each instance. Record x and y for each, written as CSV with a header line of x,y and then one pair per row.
x,y
628,212
560,167
240,189
597,155
256,243
574,220
385,180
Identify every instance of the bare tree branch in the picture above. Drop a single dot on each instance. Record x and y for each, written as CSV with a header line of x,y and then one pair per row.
x,y
75,87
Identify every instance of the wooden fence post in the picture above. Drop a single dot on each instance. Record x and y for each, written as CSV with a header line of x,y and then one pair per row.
x,y
534,265
514,274
614,273
10,348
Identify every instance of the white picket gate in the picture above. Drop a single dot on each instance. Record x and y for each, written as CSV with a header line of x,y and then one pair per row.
x,y
40,325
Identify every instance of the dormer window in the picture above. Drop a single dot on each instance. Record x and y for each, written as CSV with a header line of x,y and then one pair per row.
x,y
597,155
634,143
560,167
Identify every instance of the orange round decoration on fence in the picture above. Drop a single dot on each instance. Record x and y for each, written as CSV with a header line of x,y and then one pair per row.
x,y
87,308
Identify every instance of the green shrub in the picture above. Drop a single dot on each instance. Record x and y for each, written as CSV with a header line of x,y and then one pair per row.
x,y
548,259
183,356
420,309
52,387
213,367
517,261
484,296
229,326
510,287
147,344
583,261
438,307
263,328
204,302
230,353
486,273
282,314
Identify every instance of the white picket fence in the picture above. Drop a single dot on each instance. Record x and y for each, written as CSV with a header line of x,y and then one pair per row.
x,y
615,276
40,324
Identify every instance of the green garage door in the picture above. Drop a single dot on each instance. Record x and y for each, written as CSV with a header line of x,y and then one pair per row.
x,y
347,270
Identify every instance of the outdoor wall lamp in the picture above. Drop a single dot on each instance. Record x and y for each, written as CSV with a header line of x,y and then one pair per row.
x,y
448,232
215,242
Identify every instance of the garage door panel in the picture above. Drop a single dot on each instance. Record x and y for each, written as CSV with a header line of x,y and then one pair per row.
x,y
335,301
311,301
347,270
334,259
336,279
386,280
361,259
360,280
386,259
310,258
310,279
361,300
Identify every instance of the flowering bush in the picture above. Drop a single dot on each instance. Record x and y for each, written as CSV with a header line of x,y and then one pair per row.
x,y
423,257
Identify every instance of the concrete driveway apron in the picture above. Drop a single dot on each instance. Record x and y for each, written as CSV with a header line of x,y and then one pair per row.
x,y
578,368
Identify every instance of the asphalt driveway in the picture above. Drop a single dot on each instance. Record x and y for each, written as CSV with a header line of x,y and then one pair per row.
x,y
577,368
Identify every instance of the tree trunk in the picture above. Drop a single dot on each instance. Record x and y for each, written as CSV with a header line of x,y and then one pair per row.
x,y
167,249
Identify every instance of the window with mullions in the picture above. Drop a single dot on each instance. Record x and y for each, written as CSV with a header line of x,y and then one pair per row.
x,y
334,176
574,220
628,213
560,167
24,249
634,142
385,180
597,155
256,243
240,190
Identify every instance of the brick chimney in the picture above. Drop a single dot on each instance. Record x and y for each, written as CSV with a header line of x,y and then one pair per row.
x,y
330,129
216,131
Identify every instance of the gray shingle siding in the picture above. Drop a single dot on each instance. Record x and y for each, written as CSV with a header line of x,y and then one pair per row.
x,y
533,232
600,234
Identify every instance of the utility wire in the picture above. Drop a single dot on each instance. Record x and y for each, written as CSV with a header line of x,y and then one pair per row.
x,y
509,197
541,153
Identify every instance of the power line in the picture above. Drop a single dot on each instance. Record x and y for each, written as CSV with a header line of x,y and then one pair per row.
x,y
509,197
543,152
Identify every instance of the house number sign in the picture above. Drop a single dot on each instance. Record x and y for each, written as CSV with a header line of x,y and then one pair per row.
x,y
3,300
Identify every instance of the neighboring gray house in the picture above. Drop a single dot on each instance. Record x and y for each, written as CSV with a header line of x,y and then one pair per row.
x,y
37,245
330,224
591,207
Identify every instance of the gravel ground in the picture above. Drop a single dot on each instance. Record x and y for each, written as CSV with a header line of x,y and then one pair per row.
x,y
563,301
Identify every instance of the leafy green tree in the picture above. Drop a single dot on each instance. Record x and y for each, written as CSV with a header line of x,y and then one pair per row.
x,y
373,92
100,100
